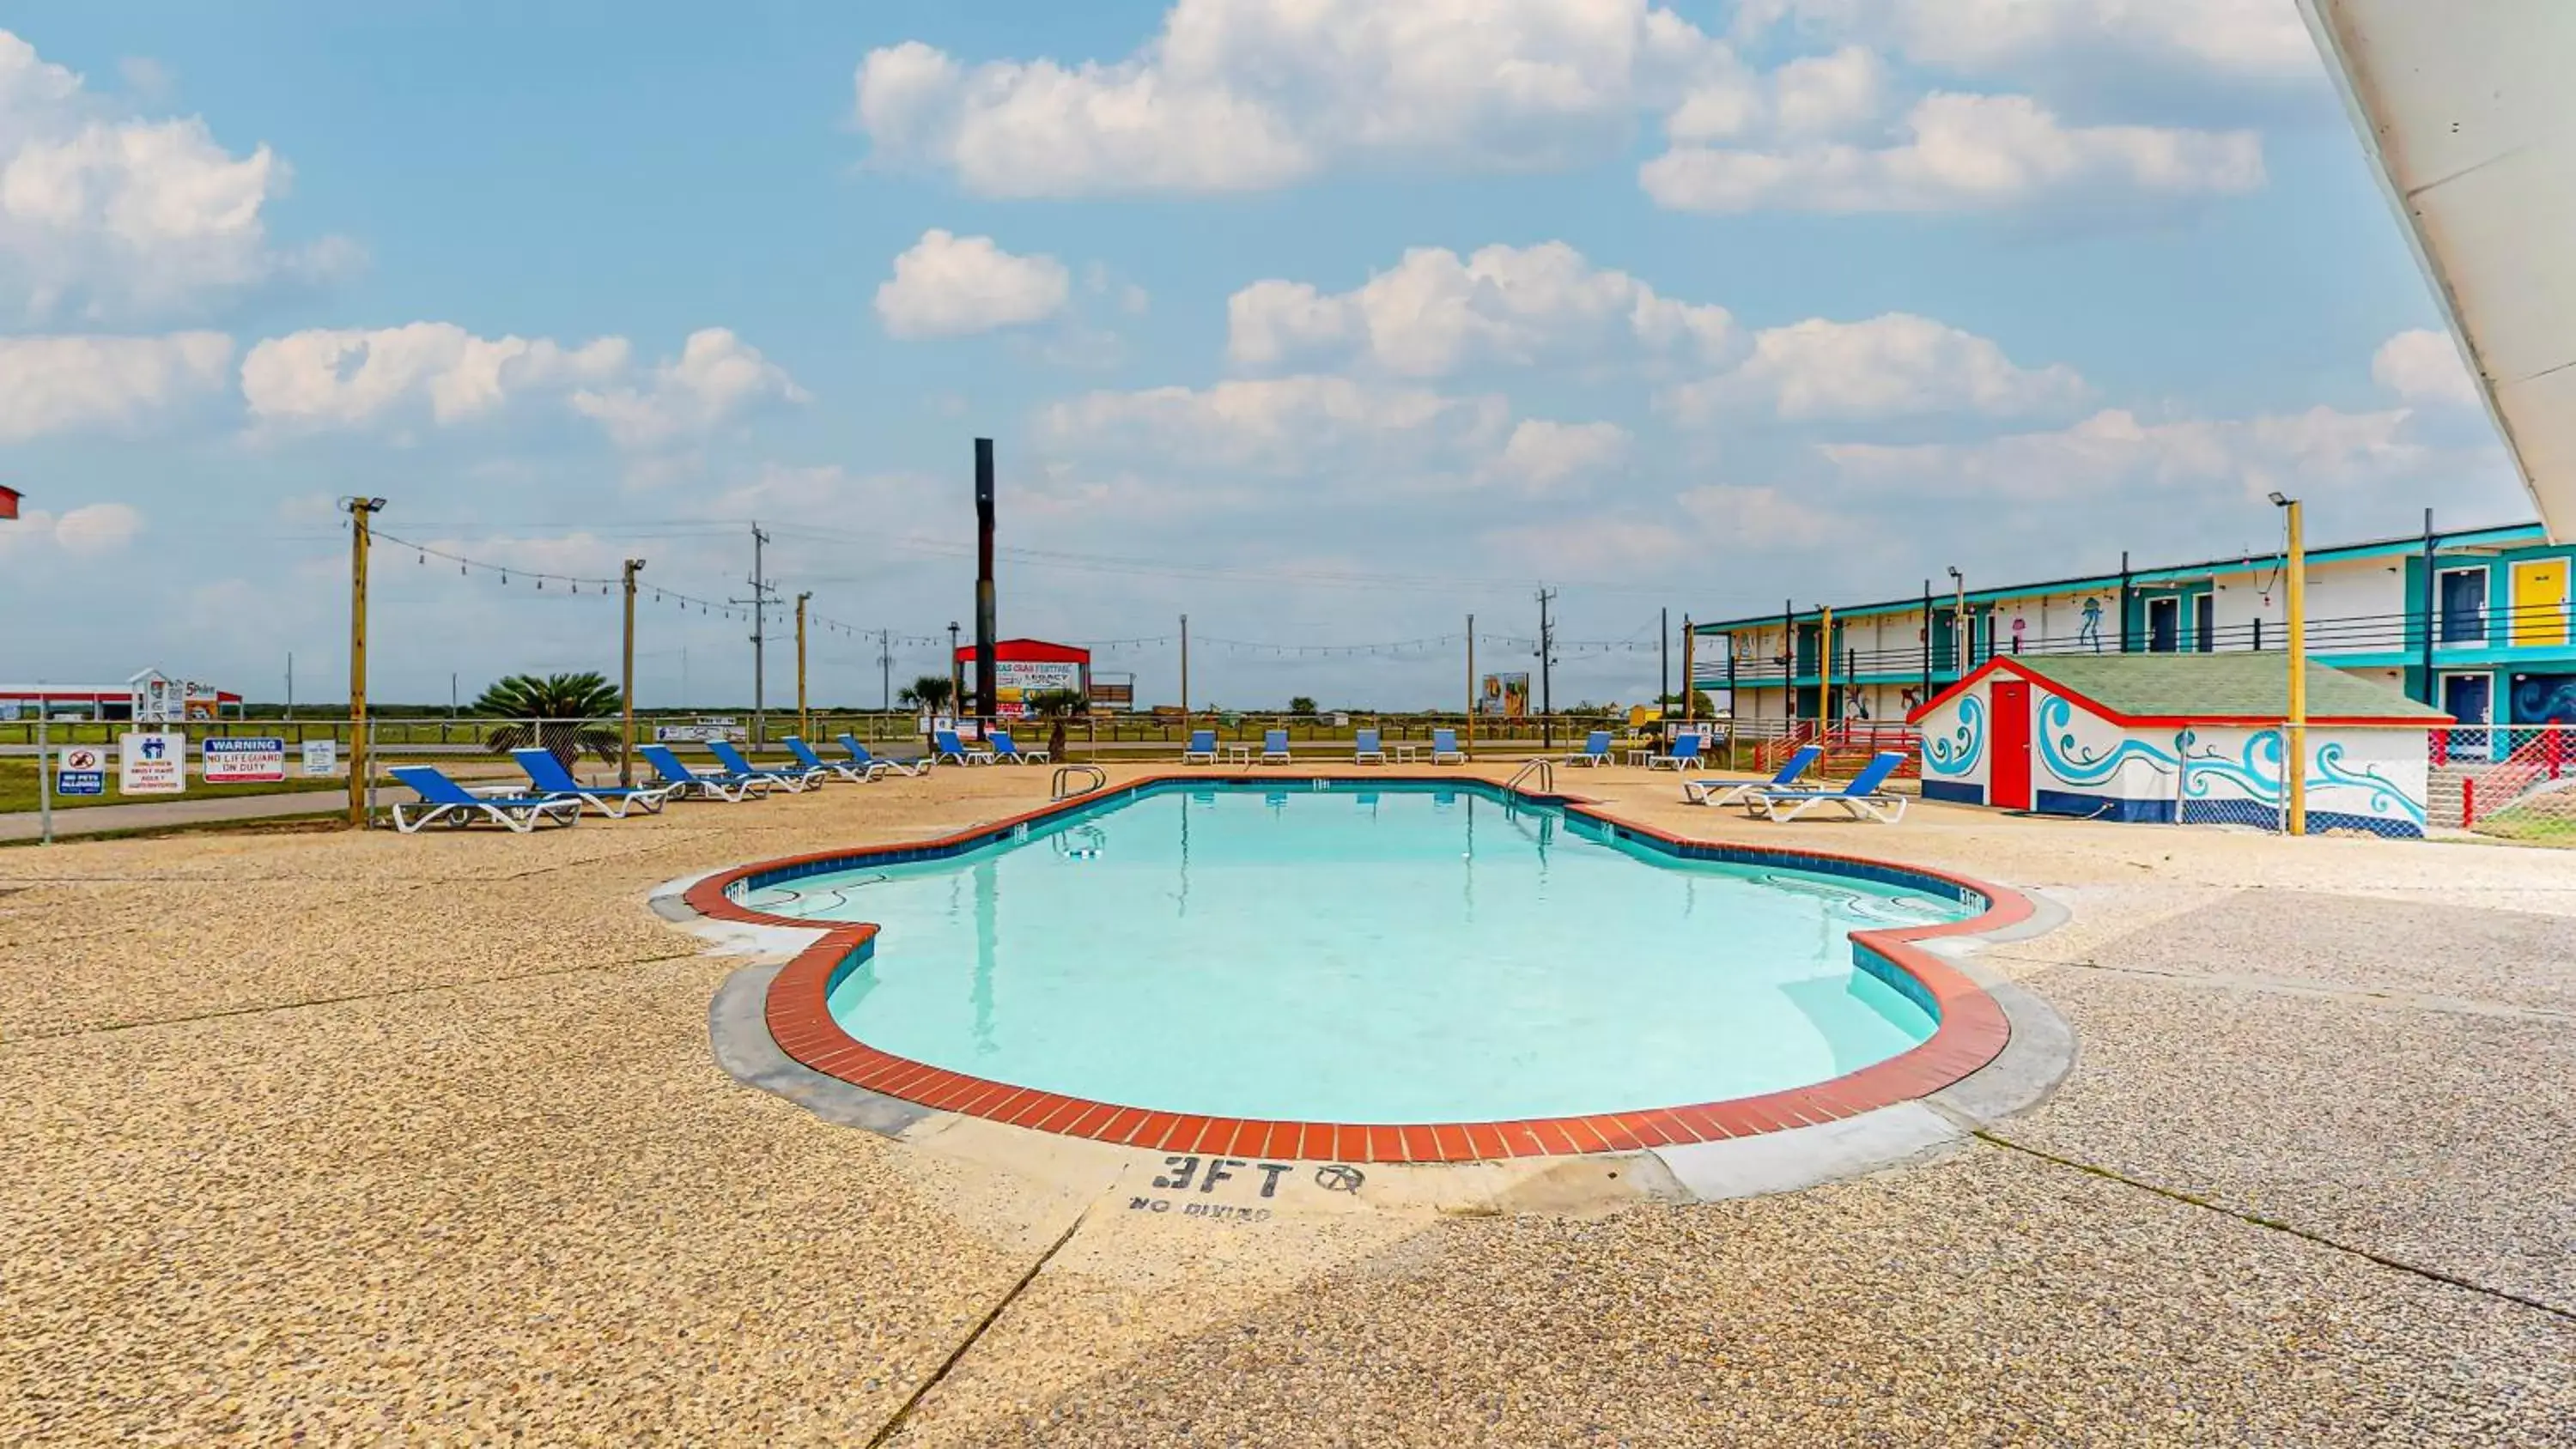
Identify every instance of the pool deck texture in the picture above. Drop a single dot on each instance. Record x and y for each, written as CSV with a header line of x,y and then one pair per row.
x,y
362,1138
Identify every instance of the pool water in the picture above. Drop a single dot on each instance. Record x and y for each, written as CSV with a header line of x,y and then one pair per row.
x,y
1363,955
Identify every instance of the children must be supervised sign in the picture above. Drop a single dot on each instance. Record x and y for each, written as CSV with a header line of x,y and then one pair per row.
x,y
152,764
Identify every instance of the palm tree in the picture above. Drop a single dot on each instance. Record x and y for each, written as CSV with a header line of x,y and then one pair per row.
x,y
559,713
1055,706
929,693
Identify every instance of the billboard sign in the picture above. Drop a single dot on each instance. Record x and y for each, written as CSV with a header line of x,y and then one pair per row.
x,y
1504,696
1014,680
83,772
248,760
152,764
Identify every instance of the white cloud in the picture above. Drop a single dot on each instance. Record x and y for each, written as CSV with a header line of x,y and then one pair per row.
x,y
97,528
1550,457
1435,313
106,216
1895,365
2255,39
89,531
950,286
1249,94
1958,152
348,377
49,384
2114,453
2424,367
1812,97
717,378
1279,425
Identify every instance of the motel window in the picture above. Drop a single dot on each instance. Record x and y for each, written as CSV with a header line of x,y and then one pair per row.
x,y
2464,606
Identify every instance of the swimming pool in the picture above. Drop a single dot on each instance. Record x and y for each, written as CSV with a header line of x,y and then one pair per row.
x,y
1362,952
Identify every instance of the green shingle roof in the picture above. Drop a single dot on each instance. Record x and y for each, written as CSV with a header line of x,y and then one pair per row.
x,y
2218,686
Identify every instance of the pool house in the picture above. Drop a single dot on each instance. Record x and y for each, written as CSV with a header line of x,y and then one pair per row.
x,y
2475,624
2177,737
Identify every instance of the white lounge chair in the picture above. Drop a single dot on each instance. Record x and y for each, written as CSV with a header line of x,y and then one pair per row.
x,y
443,799
792,779
1733,792
1444,748
1862,799
1201,750
616,802
1365,749
1595,751
1004,748
875,765
945,746
682,782
1274,747
1685,752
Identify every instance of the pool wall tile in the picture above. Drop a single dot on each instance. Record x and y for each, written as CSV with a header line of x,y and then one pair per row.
x,y
1969,1027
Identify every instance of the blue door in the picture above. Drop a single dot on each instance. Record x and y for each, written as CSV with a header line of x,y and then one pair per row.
x,y
2470,699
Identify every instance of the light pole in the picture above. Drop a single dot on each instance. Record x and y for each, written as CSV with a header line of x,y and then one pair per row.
x,y
626,685
44,709
2294,755
1958,621
956,676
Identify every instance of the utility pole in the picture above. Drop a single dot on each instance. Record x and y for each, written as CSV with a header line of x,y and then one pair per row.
x,y
1185,671
626,688
804,725
362,512
290,684
759,602
885,671
1546,659
2294,760
1471,681
1663,657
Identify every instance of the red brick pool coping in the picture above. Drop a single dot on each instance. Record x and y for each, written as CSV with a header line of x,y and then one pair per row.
x,y
1970,1031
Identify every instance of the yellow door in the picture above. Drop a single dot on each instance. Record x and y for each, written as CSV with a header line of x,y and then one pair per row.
x,y
2540,602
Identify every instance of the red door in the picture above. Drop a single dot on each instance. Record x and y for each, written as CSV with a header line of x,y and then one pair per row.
x,y
2008,778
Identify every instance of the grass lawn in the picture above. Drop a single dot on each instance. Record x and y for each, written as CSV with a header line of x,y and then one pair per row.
x,y
2533,826
18,789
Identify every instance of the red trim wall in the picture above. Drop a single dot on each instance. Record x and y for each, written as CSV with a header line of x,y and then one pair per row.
x,y
1971,1030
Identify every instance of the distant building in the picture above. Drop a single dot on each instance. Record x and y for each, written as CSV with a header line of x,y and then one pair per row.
x,y
1023,667
2475,624
150,695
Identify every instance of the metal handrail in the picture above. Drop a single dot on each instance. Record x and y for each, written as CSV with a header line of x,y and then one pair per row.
x,y
1545,770
1099,780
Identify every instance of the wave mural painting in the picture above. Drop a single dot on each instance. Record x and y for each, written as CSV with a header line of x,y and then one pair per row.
x,y
2194,738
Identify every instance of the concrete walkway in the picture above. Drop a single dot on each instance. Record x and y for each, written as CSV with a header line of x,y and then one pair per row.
x,y
159,814
356,1138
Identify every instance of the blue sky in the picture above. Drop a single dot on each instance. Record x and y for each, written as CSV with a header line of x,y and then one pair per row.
x,y
1325,323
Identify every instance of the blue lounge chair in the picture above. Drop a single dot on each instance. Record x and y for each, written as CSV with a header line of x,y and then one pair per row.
x,y
1862,799
684,782
551,778
791,779
815,766
1274,747
1366,750
1444,748
1685,753
1005,748
875,765
1201,750
1595,751
443,799
1730,792
945,746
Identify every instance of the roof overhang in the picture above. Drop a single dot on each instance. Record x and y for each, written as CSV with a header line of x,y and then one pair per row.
x,y
2006,664
2464,118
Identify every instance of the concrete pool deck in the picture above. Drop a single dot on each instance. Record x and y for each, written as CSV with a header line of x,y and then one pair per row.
x,y
367,1136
